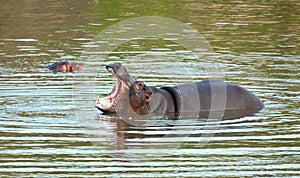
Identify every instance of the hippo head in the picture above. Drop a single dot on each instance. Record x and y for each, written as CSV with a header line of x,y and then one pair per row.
x,y
127,94
65,67
139,98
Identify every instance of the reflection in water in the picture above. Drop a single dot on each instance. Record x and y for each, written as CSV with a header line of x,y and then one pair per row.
x,y
256,43
167,135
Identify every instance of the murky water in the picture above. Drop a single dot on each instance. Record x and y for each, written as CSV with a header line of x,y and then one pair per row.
x,y
47,128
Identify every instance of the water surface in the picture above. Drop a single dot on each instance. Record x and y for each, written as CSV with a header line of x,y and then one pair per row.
x,y
256,44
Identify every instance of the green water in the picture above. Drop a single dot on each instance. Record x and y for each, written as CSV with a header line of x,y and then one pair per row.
x,y
48,123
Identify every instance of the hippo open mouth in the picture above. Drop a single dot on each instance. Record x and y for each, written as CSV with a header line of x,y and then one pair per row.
x,y
123,82
107,103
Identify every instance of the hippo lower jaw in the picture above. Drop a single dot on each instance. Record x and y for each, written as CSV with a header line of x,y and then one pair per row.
x,y
108,103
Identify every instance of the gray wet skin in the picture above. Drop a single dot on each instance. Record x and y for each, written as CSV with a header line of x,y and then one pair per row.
x,y
200,98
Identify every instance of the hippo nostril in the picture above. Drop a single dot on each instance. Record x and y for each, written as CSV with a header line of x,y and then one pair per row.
x,y
110,70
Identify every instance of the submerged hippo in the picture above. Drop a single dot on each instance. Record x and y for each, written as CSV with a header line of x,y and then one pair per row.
x,y
64,66
133,97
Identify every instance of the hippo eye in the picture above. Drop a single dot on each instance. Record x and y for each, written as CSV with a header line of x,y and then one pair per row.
x,y
140,85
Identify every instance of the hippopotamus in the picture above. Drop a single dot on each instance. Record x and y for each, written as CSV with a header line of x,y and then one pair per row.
x,y
133,97
64,66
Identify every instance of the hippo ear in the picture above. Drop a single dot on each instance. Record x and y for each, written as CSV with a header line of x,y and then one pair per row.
x,y
148,94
